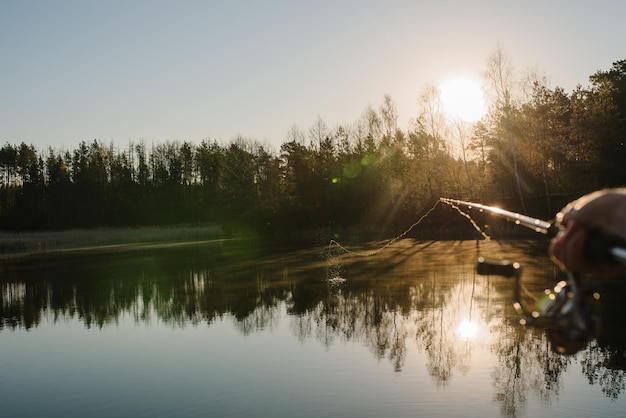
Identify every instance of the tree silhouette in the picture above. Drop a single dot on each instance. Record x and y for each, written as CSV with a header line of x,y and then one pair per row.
x,y
530,153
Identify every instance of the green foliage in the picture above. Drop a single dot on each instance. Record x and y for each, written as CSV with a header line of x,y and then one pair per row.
x,y
370,177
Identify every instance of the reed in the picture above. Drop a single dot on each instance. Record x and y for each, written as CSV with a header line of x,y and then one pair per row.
x,y
27,242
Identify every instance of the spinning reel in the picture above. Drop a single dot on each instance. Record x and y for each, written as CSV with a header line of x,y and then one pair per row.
x,y
564,312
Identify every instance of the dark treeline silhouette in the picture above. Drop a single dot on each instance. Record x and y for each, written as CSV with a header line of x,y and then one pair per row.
x,y
531,153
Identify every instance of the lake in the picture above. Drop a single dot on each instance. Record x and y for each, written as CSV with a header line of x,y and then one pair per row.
x,y
228,329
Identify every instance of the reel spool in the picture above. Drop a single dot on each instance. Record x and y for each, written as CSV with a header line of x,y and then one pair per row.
x,y
563,311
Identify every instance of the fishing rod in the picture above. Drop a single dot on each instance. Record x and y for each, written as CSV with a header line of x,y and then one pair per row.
x,y
537,225
565,311
600,247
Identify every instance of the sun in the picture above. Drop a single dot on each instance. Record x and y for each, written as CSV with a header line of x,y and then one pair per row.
x,y
463,98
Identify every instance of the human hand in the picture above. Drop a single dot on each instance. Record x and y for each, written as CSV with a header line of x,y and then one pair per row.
x,y
602,212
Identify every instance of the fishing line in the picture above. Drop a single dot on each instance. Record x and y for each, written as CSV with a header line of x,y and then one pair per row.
x,y
488,238
390,242
474,224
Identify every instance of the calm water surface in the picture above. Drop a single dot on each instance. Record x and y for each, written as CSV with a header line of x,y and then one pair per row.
x,y
219,330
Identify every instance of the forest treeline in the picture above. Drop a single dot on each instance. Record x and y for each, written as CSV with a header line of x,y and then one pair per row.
x,y
532,152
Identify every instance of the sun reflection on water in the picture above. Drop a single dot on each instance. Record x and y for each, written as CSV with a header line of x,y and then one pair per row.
x,y
468,330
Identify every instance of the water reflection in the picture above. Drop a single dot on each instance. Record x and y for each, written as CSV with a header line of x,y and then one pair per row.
x,y
418,294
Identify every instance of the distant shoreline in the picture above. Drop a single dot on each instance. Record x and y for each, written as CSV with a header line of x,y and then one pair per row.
x,y
100,240
20,245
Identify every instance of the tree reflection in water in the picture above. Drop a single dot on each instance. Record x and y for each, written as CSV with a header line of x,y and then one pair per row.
x,y
412,293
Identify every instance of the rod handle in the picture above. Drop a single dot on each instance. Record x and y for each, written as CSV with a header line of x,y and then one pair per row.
x,y
604,248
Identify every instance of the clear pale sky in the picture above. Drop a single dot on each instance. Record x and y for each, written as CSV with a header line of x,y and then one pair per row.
x,y
193,70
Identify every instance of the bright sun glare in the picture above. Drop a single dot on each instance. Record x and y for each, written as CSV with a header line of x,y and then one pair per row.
x,y
467,330
463,98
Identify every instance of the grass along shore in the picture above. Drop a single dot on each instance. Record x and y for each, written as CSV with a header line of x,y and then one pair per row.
x,y
22,243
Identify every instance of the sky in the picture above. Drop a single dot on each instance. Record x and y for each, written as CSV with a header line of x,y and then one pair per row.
x,y
156,71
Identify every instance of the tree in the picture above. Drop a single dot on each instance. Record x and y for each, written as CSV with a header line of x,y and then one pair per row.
x,y
370,131
299,184
122,205
318,133
237,179
500,82
295,135
428,135
186,155
209,160
58,191
143,171
461,131
607,100
388,119
546,117
268,187
28,165
8,163
594,126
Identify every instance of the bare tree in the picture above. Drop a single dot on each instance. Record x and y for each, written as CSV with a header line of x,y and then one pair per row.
x,y
500,87
388,118
295,135
318,133
461,132
430,126
372,124
499,78
431,120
